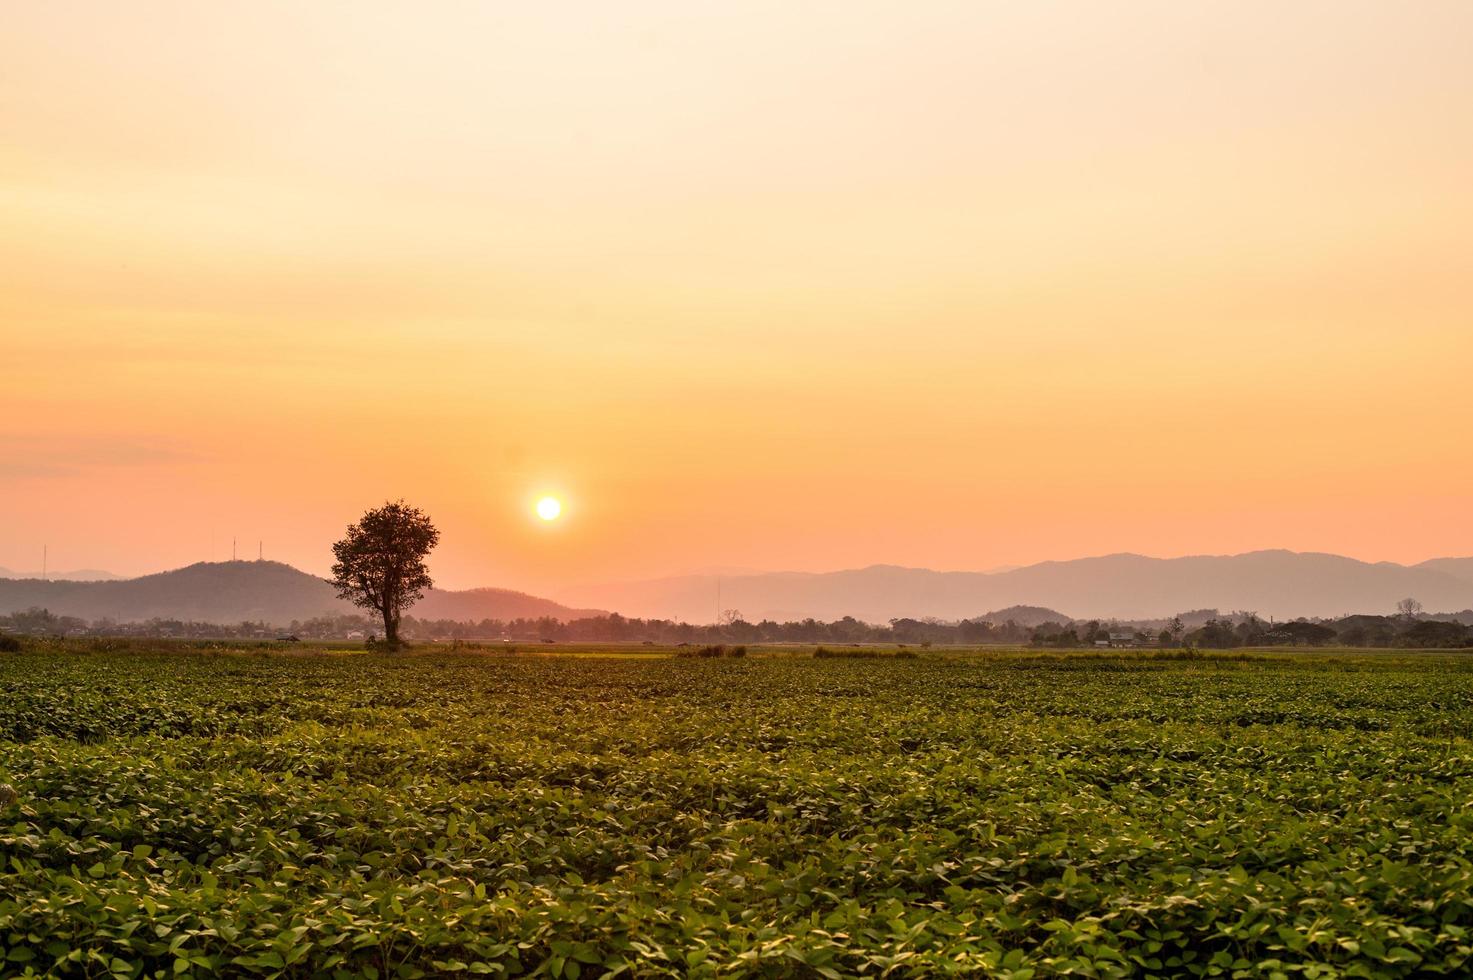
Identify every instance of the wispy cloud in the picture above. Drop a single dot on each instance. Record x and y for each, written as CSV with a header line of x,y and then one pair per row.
x,y
27,456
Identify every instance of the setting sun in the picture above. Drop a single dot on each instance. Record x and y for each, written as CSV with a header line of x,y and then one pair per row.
x,y
548,508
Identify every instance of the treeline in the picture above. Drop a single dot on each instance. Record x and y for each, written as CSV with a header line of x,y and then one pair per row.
x,y
1189,630
1247,630
612,628
1412,632
616,628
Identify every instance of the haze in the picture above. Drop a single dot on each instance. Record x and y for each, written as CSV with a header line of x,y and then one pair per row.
x,y
762,284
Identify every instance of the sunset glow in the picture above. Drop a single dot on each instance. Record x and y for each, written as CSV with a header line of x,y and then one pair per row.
x,y
736,487
757,278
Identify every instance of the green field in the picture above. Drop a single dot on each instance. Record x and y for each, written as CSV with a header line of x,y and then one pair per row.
x,y
1008,814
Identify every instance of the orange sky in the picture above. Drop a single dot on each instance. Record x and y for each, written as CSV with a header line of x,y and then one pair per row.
x,y
754,284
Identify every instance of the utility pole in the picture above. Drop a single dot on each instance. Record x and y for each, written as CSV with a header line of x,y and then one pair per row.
x,y
260,550
45,555
232,549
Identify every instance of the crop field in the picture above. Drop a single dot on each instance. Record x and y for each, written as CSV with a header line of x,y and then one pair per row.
x,y
1014,815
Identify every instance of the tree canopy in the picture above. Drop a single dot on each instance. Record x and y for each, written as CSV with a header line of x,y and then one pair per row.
x,y
380,563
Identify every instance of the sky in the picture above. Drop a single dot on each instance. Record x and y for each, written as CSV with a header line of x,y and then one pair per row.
x,y
768,285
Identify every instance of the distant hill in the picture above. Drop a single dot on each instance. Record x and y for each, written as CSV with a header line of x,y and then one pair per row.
x,y
241,591
1460,568
1272,583
1024,616
78,575
479,604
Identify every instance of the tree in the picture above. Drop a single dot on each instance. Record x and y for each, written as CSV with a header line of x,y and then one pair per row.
x,y
380,564
1408,609
1216,634
1250,631
1300,631
1434,633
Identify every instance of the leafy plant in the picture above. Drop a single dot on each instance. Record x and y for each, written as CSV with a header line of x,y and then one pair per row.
x,y
219,810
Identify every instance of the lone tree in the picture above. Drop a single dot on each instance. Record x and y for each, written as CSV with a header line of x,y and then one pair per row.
x,y
380,564
1408,609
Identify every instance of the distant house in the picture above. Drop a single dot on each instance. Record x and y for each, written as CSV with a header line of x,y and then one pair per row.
x,y
1121,639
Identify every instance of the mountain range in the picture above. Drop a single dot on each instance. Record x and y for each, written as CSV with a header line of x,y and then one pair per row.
x,y
1281,584
250,591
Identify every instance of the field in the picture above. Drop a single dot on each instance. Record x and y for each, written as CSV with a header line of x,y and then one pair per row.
x,y
1014,815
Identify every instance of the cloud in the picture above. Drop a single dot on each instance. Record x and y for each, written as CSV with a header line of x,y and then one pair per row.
x,y
13,470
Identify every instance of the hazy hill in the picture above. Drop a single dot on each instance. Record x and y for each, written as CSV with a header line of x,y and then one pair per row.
x,y
479,604
1272,583
77,575
240,591
1461,568
1024,616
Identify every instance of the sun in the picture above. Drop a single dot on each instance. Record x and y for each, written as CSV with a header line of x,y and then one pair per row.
x,y
548,508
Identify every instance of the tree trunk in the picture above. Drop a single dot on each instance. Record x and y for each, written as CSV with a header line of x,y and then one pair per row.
x,y
391,631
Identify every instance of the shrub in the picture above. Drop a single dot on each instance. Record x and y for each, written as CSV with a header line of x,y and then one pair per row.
x,y
823,653
9,644
719,650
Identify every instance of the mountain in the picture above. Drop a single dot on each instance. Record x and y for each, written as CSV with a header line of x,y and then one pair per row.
x,y
1281,584
241,591
1459,568
79,575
